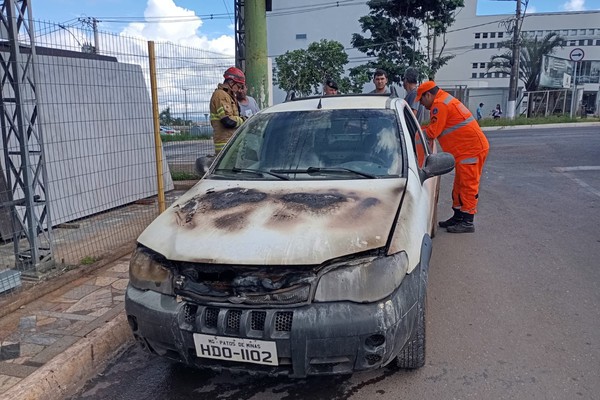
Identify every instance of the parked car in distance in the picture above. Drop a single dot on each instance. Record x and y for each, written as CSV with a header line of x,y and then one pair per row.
x,y
167,130
304,249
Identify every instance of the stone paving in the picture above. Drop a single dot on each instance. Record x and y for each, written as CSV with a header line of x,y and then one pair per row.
x,y
44,328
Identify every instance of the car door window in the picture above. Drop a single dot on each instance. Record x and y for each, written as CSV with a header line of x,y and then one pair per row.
x,y
419,142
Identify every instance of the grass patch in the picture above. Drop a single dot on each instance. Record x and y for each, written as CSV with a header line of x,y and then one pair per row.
x,y
88,260
183,176
180,137
555,119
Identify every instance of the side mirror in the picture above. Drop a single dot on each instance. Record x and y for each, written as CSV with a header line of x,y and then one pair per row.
x,y
203,164
437,164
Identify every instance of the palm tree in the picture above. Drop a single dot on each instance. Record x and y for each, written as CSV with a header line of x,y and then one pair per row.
x,y
530,59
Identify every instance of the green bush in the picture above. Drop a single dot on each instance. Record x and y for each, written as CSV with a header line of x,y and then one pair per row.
x,y
554,119
181,137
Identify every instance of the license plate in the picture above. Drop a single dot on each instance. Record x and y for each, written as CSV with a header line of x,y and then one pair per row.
x,y
236,349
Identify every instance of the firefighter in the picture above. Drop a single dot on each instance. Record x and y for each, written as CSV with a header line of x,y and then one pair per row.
x,y
459,134
224,110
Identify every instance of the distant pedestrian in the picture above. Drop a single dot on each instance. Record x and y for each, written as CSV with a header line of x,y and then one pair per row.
x,y
380,79
248,106
453,125
330,88
409,82
479,111
497,112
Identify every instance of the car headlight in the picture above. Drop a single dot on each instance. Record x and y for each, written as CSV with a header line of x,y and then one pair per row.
x,y
146,273
363,280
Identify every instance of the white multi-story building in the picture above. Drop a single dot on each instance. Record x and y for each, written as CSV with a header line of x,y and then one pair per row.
x,y
472,40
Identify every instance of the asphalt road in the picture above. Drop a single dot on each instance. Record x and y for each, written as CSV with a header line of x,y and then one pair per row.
x,y
514,309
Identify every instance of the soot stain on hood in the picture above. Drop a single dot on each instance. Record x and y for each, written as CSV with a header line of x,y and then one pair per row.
x,y
231,198
231,222
314,201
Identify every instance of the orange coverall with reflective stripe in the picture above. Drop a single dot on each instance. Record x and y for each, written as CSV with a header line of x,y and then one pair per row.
x,y
459,134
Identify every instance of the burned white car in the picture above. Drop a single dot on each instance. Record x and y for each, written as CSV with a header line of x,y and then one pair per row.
x,y
304,249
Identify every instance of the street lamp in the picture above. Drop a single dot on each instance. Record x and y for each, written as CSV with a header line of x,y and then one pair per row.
x,y
186,104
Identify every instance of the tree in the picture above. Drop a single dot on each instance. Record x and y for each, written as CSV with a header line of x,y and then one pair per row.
x,y
305,70
165,117
531,57
394,34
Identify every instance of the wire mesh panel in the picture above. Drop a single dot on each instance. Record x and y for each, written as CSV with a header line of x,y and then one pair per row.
x,y
95,117
186,79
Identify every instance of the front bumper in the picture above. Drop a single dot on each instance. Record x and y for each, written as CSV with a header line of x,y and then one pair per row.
x,y
314,339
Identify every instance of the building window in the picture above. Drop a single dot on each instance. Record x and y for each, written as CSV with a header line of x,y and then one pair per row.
x,y
482,74
492,45
573,32
500,35
597,42
300,36
475,65
500,45
590,42
572,42
474,75
492,35
582,31
477,35
496,74
582,43
476,46
540,33
484,45
590,32
481,65
485,35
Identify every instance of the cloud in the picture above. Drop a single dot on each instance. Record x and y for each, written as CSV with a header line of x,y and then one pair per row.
x,y
531,10
168,22
574,5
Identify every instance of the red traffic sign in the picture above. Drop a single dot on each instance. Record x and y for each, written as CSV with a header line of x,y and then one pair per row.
x,y
576,54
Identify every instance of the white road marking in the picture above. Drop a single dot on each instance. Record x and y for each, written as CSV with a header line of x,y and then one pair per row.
x,y
566,170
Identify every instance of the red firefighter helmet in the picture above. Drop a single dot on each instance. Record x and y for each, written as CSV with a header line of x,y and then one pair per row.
x,y
236,75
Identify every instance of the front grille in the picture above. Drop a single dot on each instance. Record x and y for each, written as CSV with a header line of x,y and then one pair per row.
x,y
211,316
189,313
233,321
283,321
257,320
250,323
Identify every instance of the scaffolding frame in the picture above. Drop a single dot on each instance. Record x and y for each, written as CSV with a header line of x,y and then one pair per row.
x,y
23,147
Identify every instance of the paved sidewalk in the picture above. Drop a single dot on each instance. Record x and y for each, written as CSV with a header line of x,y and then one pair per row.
x,y
52,345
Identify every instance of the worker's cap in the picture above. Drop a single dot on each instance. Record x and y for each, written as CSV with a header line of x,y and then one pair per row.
x,y
331,83
424,87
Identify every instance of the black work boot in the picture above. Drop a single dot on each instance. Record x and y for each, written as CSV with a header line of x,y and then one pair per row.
x,y
463,226
455,219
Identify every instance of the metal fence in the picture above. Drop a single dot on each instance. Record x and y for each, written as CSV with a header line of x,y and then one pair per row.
x,y
87,136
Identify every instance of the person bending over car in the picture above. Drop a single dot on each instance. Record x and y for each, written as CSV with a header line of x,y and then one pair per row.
x,y
459,134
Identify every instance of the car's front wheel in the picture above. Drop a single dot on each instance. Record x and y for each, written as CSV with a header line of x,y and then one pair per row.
x,y
412,355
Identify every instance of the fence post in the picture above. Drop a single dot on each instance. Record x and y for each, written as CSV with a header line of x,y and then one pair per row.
x,y
157,140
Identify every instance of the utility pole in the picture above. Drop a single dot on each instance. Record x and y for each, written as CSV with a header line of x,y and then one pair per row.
x,y
93,23
514,70
255,49
186,104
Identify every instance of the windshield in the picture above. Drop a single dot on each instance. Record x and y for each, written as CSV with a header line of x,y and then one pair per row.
x,y
320,144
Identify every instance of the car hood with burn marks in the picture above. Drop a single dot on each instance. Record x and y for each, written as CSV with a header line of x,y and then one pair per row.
x,y
276,223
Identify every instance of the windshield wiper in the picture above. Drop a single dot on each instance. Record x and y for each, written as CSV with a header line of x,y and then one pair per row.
x,y
320,170
253,171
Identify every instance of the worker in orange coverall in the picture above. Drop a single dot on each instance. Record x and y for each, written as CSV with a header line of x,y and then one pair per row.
x,y
459,134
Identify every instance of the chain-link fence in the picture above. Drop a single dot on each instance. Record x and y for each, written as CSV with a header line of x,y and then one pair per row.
x,y
88,137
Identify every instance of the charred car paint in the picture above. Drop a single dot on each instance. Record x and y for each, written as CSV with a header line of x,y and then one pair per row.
x,y
304,250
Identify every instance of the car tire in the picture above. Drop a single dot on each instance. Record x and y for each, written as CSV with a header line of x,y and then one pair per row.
x,y
412,355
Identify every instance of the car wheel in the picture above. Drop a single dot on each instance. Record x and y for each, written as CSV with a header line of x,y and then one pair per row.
x,y
412,355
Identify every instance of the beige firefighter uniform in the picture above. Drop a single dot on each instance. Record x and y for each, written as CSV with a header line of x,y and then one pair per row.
x,y
224,116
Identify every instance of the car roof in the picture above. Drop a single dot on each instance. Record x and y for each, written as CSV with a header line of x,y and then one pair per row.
x,y
335,102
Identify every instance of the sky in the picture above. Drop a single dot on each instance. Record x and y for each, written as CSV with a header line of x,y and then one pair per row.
x,y
210,23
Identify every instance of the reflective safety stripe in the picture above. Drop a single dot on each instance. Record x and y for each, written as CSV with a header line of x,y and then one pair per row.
x,y
457,126
448,99
219,146
472,160
217,115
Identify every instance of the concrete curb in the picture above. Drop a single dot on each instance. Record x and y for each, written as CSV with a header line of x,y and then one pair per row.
x,y
540,126
66,373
